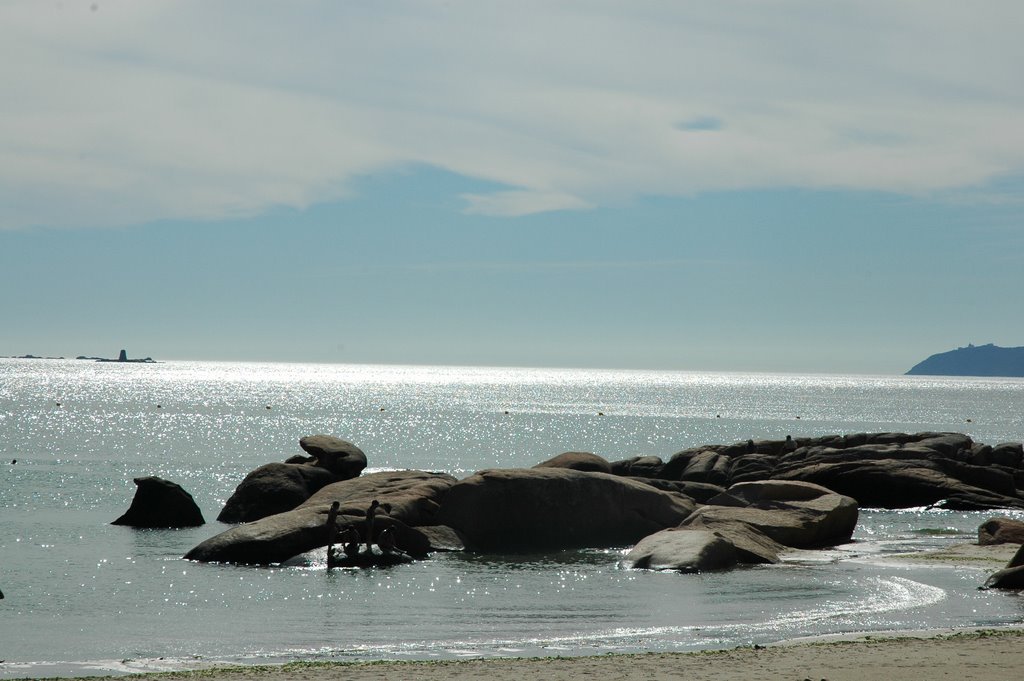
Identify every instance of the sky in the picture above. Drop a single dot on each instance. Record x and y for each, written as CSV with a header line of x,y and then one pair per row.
x,y
789,186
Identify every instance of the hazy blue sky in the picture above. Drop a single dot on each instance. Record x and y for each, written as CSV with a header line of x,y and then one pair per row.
x,y
778,186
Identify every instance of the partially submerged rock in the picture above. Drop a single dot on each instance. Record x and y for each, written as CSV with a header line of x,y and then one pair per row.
x,y
752,546
682,549
798,515
1007,578
161,503
278,487
274,488
884,470
752,522
413,497
557,508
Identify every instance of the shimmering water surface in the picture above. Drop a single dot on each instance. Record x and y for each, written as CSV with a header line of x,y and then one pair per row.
x,y
83,596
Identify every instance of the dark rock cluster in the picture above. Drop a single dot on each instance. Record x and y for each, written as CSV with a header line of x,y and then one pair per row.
x,y
706,508
879,470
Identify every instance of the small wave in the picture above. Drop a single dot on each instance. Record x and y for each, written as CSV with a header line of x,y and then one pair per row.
x,y
881,595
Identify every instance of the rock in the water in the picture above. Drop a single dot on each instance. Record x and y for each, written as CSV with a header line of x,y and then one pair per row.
x,y
557,508
751,544
443,538
1001,531
1018,558
884,470
682,549
1007,578
279,487
794,518
413,496
340,457
161,503
896,479
274,488
578,461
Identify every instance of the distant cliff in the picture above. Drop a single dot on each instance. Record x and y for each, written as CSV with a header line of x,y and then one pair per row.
x,y
974,360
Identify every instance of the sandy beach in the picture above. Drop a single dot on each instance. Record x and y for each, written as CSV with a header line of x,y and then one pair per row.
x,y
984,655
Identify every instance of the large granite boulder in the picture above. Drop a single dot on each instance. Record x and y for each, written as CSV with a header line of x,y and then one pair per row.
x,y
1001,531
698,491
1009,454
1007,578
274,488
639,466
796,515
898,478
557,508
683,549
161,503
414,498
340,457
886,470
1010,577
752,546
578,461
278,487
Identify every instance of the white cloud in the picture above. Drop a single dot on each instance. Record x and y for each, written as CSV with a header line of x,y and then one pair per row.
x,y
513,203
143,111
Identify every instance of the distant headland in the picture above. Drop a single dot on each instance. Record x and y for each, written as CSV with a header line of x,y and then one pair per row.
x,y
974,360
122,357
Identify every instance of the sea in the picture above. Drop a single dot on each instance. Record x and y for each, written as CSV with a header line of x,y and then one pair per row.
x,y
85,597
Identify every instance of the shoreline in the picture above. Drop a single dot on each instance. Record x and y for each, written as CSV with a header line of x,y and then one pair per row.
x,y
977,653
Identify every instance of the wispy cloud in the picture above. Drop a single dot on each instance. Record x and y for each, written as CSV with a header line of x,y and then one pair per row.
x,y
143,111
513,203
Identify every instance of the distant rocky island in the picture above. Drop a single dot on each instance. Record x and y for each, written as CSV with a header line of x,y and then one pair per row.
x,y
974,360
122,357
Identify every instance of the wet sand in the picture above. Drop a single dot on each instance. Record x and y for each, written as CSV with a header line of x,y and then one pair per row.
x,y
984,655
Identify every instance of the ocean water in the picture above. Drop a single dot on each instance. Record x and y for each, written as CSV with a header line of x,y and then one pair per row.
x,y
86,597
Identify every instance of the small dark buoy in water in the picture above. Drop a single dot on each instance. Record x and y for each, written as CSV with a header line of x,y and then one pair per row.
x,y
506,411
382,408
268,406
969,421
600,413
159,406
718,416
14,461
58,404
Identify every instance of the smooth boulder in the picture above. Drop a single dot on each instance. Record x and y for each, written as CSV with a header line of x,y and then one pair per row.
x,y
274,488
578,461
1001,531
794,514
161,503
515,510
1010,577
1007,578
340,457
413,497
278,487
883,470
683,549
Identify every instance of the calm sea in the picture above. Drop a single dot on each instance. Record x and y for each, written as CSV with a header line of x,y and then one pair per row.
x,y
85,597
